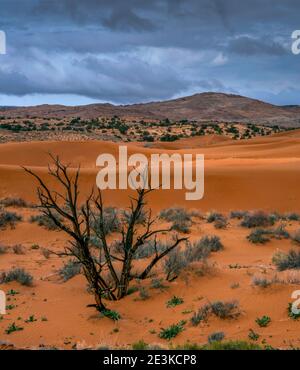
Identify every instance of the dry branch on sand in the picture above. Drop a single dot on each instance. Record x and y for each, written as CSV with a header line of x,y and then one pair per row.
x,y
108,273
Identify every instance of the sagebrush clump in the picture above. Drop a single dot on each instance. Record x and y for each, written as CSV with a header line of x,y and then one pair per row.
x,y
69,270
257,219
287,261
19,275
9,219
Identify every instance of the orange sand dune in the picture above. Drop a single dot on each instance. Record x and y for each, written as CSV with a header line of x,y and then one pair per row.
x,y
258,173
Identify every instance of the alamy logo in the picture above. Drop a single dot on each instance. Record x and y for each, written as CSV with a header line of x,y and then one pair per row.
x,y
2,42
164,171
296,304
296,42
2,303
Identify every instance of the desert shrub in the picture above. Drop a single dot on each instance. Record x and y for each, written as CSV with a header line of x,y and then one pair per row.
x,y
174,301
175,214
209,243
132,289
280,233
14,202
259,236
252,335
19,275
262,236
261,282
69,270
174,263
149,248
263,321
292,216
289,261
182,226
172,331
221,223
13,328
216,337
238,214
157,284
201,315
18,249
198,251
225,310
257,219
213,217
9,218
45,221
141,219
111,221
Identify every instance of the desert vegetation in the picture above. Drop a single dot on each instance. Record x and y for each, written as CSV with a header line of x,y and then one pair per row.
x,y
108,274
121,129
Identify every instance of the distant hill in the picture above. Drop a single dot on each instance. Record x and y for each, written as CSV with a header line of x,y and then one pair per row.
x,y
199,107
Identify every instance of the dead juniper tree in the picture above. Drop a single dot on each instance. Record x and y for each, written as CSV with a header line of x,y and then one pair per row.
x,y
108,269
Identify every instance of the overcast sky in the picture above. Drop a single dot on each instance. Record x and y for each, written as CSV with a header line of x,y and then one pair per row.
x,y
126,51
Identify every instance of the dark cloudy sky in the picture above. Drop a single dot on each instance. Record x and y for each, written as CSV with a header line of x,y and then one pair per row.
x,y
126,51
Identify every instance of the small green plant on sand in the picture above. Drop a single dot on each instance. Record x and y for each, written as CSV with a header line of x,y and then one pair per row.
x,y
263,321
113,315
172,331
174,301
12,328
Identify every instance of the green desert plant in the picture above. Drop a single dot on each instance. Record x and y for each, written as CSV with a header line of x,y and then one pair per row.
x,y
113,315
174,301
172,331
13,328
263,321
140,345
252,335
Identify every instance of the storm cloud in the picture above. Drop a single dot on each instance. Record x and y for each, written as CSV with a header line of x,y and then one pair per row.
x,y
137,51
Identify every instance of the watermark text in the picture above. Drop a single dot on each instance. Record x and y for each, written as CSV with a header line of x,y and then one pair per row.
x,y
2,42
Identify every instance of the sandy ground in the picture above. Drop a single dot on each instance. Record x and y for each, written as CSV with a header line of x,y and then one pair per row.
x,y
261,173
